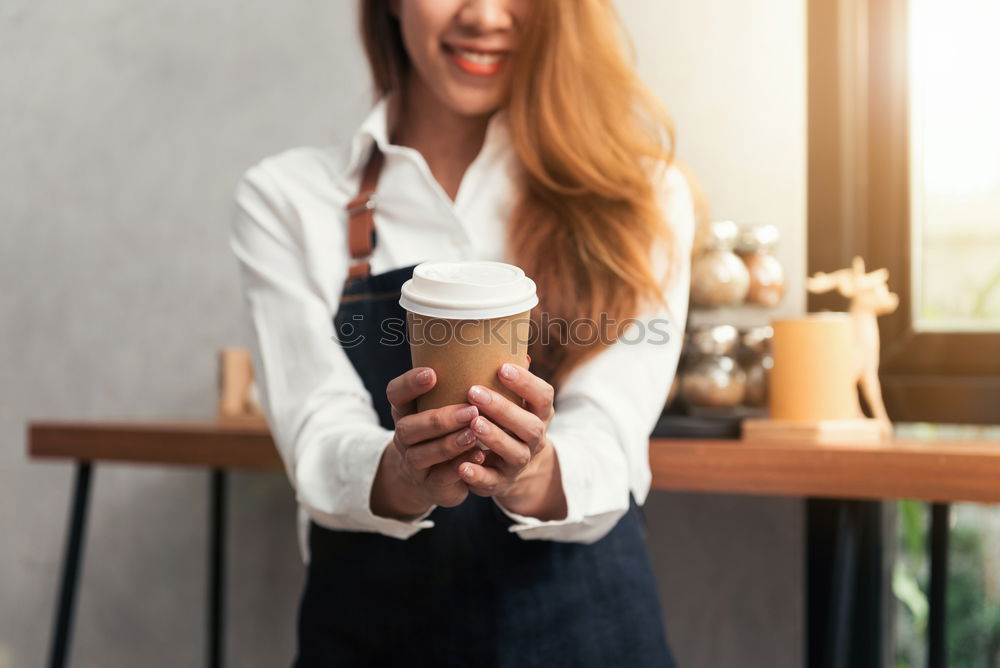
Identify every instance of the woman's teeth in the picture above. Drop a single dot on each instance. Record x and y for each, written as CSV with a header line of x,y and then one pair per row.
x,y
479,57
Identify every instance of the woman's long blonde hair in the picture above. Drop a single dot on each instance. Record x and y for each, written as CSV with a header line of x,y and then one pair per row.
x,y
587,133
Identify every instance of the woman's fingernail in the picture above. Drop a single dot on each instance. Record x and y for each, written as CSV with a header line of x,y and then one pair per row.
x,y
466,471
478,457
466,414
479,395
425,376
465,437
481,425
508,371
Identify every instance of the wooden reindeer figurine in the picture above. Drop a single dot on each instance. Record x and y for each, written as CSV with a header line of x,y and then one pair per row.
x,y
870,298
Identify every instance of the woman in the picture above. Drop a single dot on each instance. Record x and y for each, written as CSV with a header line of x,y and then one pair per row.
x,y
510,130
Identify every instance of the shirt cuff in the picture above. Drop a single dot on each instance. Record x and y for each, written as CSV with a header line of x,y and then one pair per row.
x,y
578,526
351,491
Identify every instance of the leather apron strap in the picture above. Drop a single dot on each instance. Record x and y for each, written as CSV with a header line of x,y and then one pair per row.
x,y
361,218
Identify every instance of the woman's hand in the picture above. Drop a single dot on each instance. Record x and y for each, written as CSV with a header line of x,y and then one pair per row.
x,y
523,471
428,448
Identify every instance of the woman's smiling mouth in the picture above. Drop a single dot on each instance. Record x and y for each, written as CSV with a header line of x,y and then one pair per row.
x,y
475,62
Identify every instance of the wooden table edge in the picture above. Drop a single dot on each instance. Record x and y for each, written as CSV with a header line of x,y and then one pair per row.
x,y
223,444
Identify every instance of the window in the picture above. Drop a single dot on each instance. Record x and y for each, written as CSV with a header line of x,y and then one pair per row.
x,y
954,67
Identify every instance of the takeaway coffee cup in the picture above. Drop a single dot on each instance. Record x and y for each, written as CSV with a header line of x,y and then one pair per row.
x,y
464,320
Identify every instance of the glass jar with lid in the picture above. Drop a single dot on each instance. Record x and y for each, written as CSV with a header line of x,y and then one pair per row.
x,y
718,276
712,377
757,361
755,246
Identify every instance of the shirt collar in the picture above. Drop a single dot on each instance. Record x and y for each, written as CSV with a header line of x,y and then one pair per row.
x,y
374,129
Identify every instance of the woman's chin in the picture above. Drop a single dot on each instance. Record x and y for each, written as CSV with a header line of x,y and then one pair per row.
x,y
474,103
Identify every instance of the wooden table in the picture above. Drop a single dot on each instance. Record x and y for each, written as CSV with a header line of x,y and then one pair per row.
x,y
936,471
944,471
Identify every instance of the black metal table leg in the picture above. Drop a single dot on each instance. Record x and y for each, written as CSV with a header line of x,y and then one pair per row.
x,y
938,597
216,569
72,555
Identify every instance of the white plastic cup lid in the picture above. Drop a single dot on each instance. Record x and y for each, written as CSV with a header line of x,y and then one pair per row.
x,y
468,290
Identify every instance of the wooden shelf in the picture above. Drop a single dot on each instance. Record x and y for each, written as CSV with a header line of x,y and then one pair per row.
x,y
935,470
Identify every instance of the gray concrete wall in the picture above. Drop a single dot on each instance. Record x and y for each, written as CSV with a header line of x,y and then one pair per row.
x,y
123,128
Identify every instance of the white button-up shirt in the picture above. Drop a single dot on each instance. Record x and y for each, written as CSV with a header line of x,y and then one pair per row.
x,y
289,234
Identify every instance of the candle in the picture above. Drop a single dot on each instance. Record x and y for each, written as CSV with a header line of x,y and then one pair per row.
x,y
815,368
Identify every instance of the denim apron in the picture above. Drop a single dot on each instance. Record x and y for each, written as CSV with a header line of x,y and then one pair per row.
x,y
467,592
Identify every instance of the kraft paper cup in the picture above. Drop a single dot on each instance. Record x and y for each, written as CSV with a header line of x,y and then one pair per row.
x,y
465,319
